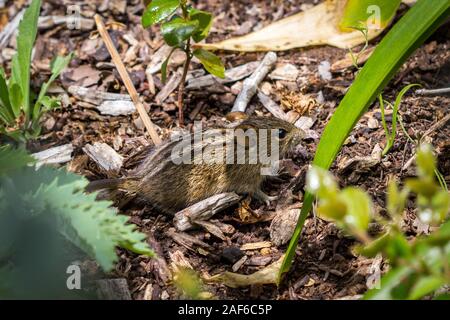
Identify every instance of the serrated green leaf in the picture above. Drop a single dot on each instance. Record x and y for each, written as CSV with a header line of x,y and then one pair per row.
x,y
158,10
211,62
25,41
5,104
425,285
177,30
12,159
204,23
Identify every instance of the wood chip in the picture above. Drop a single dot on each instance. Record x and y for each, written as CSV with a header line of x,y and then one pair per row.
x,y
239,264
170,86
256,245
105,156
231,75
113,289
283,226
271,106
251,84
185,219
117,108
55,155
10,28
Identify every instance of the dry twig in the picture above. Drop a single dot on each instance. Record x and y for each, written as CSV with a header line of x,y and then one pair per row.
x,y
127,80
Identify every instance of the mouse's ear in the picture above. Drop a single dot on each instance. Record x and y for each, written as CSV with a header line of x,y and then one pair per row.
x,y
236,116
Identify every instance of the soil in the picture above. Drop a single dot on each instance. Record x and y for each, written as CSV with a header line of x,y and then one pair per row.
x,y
325,266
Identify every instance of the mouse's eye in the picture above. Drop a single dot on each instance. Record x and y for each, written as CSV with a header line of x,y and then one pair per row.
x,y
282,133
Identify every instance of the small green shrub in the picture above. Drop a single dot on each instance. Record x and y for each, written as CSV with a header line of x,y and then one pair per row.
x,y
419,267
21,109
179,31
45,216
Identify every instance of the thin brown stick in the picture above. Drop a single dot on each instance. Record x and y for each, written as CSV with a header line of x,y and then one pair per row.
x,y
126,80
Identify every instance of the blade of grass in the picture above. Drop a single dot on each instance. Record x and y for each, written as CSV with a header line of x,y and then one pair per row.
x,y
25,41
408,34
390,138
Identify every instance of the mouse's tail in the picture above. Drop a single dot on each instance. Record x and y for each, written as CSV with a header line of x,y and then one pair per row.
x,y
107,184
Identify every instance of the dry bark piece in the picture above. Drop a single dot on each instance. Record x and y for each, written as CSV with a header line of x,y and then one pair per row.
x,y
283,226
256,245
83,24
105,156
96,96
55,155
178,260
348,62
250,86
185,219
159,263
117,108
188,241
170,86
231,75
10,28
157,59
272,106
286,72
239,264
267,275
113,289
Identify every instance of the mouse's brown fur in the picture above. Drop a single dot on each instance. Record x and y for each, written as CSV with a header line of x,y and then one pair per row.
x,y
172,187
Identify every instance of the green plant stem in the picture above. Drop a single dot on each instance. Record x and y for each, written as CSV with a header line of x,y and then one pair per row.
x,y
182,83
188,52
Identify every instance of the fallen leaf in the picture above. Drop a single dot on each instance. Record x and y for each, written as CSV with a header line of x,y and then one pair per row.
x,y
267,275
315,26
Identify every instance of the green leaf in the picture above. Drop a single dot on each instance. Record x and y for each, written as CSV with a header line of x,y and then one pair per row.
x,y
406,35
426,162
391,138
177,30
25,42
388,283
12,159
211,62
425,285
57,66
321,183
356,11
93,226
5,106
159,10
375,247
396,199
164,66
359,208
16,99
204,24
